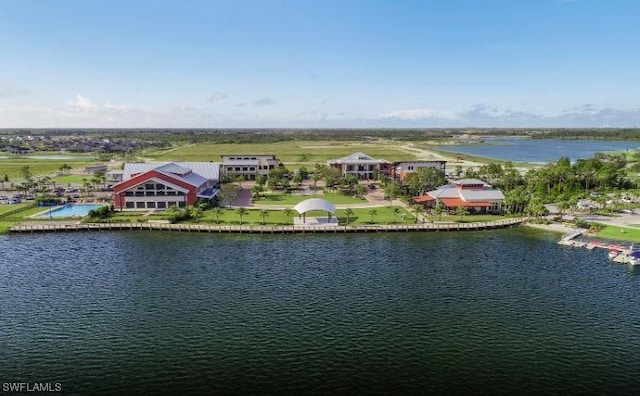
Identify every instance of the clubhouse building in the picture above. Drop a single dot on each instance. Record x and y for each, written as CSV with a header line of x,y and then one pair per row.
x,y
473,194
360,165
249,167
400,170
160,185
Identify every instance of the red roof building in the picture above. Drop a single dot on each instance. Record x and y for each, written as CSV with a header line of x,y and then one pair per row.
x,y
473,194
162,185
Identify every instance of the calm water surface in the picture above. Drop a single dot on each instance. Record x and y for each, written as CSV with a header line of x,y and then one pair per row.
x,y
500,312
539,150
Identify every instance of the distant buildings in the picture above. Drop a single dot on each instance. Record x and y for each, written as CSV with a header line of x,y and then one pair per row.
x,y
473,194
365,167
91,169
249,167
400,170
162,185
360,165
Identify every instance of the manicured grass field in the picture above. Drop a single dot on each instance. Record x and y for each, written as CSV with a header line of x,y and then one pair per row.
x,y
12,167
470,218
361,216
620,233
63,180
11,220
296,152
289,199
4,208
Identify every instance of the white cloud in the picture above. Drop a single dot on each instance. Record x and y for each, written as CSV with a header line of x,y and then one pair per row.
x,y
264,102
418,114
218,96
83,103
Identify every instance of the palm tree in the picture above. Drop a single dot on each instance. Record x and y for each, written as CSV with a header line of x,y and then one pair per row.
x,y
264,213
64,169
373,212
462,211
417,209
348,212
257,189
218,211
195,213
316,177
396,211
241,212
287,213
439,209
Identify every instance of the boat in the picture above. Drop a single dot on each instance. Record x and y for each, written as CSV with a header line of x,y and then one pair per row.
x,y
613,254
633,256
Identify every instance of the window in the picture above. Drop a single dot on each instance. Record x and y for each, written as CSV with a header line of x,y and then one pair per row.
x,y
162,205
129,205
150,186
151,205
181,204
410,168
140,205
252,169
170,204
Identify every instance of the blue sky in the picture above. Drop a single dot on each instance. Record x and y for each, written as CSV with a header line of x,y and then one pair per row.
x,y
348,63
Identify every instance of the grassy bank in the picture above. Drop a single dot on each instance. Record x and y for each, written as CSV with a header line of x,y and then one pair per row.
x,y
13,167
290,152
619,233
289,199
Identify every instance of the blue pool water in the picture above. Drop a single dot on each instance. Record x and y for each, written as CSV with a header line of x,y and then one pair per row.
x,y
70,210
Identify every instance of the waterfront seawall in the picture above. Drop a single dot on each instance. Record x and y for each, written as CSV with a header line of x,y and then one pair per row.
x,y
259,229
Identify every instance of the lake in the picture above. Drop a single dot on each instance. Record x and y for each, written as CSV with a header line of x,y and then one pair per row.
x,y
496,312
538,150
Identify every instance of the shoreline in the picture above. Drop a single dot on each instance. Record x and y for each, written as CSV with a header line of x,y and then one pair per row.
x,y
252,229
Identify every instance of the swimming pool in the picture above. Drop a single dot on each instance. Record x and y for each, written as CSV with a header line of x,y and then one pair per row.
x,y
69,210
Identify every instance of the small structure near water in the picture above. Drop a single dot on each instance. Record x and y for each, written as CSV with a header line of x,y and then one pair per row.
x,y
312,204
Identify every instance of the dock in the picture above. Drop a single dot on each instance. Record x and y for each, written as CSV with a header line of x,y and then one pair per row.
x,y
264,229
621,249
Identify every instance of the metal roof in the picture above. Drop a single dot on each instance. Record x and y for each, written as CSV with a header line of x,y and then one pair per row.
x,y
208,170
315,204
357,158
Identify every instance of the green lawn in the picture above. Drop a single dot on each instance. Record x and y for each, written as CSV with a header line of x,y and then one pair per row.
x,y
7,208
467,218
276,217
292,199
14,219
64,180
12,167
620,233
297,152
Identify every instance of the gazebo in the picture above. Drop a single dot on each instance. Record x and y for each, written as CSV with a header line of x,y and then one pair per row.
x,y
316,204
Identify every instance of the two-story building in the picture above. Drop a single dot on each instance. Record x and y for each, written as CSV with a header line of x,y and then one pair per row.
x,y
400,170
360,165
249,167
162,185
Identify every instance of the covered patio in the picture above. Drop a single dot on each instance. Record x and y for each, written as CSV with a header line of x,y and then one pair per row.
x,y
314,204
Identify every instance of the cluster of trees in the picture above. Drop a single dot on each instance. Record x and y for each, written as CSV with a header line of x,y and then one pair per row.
x,y
101,213
562,182
176,215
